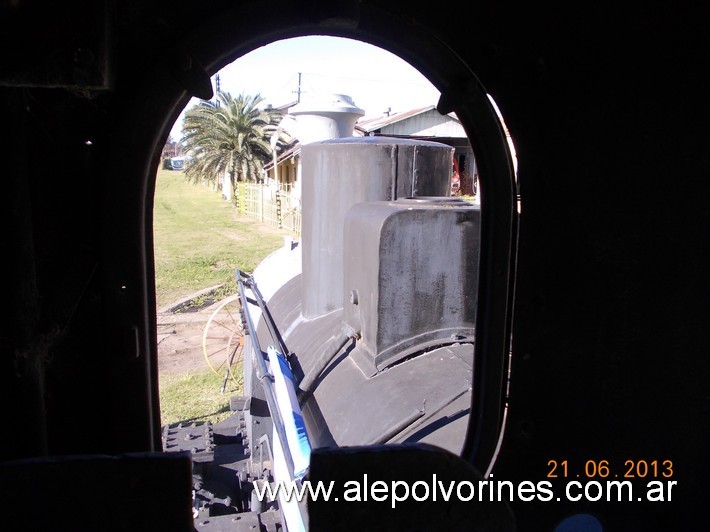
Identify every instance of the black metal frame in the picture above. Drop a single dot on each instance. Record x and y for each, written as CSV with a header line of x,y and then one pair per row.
x,y
218,42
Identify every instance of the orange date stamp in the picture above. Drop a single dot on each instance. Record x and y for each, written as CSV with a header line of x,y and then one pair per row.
x,y
607,469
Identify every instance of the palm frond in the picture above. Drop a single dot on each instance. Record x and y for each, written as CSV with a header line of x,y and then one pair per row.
x,y
229,134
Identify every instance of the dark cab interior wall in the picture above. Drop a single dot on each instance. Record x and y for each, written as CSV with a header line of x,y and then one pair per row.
x,y
607,105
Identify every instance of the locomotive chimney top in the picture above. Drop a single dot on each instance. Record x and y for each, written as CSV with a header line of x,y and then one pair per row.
x,y
326,117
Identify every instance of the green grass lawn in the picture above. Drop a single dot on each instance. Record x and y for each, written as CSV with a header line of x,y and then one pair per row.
x,y
195,397
200,239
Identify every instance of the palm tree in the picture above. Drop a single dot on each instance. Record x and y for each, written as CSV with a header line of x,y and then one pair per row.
x,y
228,137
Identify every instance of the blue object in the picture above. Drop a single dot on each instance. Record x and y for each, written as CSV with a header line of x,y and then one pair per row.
x,y
580,523
287,402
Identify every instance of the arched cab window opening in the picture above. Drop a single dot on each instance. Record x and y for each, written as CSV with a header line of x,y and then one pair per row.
x,y
374,345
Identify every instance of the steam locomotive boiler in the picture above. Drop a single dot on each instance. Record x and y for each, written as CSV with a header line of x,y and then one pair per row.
x,y
363,333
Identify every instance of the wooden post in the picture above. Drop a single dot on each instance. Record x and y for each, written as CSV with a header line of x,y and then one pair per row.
x,y
261,203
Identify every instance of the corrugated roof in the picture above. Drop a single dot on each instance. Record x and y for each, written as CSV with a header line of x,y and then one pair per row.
x,y
285,156
379,122
364,126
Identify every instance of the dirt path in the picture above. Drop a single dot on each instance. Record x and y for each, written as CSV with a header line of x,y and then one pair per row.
x,y
180,342
180,336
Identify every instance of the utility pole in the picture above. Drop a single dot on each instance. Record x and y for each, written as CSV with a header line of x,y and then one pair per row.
x,y
217,90
298,90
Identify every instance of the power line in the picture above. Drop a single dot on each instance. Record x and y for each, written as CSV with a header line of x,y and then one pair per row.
x,y
372,80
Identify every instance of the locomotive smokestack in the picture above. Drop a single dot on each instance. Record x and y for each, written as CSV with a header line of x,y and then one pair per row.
x,y
330,117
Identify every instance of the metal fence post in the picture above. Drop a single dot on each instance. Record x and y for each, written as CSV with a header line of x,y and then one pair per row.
x,y
279,221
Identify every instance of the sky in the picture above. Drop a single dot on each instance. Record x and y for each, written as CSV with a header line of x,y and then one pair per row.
x,y
374,78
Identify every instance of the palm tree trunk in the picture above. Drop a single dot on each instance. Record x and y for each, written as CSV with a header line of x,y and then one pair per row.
x,y
227,186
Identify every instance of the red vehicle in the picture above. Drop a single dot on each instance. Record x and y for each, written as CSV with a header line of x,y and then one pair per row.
x,y
455,179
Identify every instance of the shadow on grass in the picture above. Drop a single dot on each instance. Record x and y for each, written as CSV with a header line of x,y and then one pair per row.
x,y
204,417
194,397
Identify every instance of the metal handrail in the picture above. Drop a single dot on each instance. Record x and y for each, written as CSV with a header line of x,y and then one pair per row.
x,y
271,325
262,373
